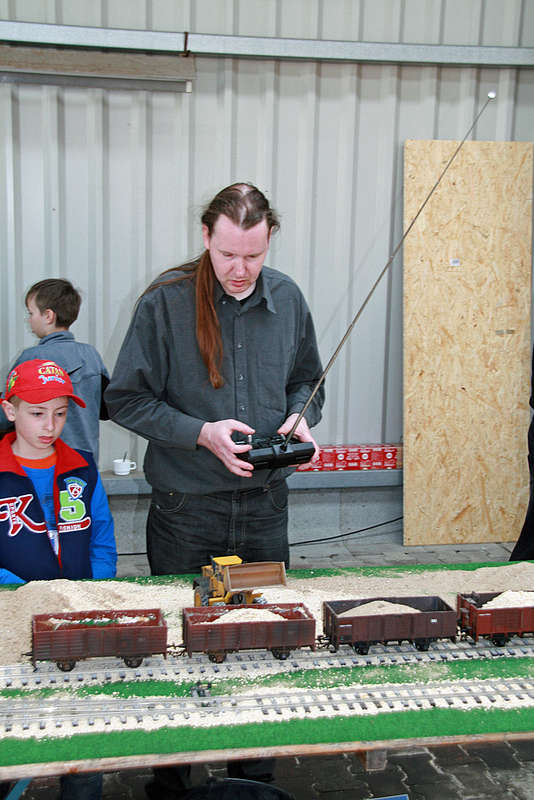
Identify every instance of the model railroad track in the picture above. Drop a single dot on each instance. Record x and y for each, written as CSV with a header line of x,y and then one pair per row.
x,y
63,716
252,663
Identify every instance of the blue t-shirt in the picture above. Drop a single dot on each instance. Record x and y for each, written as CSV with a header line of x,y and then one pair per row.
x,y
43,481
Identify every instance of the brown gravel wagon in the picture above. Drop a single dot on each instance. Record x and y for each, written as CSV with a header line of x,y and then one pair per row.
x,y
202,632
431,619
497,624
69,637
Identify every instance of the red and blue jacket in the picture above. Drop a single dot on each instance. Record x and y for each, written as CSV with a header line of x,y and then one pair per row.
x,y
85,529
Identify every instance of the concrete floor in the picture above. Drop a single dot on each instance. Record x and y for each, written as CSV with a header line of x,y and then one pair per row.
x,y
369,549
472,772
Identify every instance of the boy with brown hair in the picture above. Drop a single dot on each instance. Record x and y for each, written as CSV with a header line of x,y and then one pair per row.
x,y
54,515
53,305
55,520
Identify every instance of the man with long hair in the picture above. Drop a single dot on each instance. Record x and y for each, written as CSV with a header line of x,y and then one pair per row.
x,y
219,345
216,346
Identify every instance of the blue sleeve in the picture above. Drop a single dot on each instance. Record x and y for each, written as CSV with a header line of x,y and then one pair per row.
x,y
103,553
8,577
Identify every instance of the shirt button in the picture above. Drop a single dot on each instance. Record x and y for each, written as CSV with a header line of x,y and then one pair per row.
x,y
240,377
242,408
239,345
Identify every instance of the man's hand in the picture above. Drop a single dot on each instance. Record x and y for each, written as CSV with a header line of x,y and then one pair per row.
x,y
302,432
217,437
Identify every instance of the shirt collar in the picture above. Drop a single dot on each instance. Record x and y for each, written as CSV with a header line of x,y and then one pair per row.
x,y
67,457
57,335
262,292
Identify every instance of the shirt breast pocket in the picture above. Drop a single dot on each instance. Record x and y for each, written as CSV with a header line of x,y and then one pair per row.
x,y
272,374
76,373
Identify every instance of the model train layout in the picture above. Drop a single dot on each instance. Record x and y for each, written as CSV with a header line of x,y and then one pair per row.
x,y
296,654
222,628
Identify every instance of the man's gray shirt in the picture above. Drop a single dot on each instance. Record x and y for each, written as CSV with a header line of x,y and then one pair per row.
x,y
160,387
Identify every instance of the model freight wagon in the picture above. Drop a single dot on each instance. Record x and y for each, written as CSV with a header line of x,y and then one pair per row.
x,y
431,619
498,624
211,630
69,637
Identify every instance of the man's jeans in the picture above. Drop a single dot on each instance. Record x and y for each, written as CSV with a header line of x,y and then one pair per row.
x,y
185,530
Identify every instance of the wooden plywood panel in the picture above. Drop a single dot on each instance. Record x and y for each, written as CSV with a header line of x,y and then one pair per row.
x,y
467,297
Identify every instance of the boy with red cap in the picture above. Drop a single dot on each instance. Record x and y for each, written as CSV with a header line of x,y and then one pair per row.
x,y
55,520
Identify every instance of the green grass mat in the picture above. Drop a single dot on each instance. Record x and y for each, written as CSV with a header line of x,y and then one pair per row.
x,y
330,572
393,726
306,679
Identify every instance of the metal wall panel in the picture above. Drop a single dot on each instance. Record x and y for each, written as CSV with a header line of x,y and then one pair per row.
x,y
105,187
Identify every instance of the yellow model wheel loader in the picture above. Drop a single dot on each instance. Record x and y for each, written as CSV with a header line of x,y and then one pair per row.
x,y
228,580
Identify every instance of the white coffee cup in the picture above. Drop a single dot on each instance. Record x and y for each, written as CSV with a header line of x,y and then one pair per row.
x,y
123,466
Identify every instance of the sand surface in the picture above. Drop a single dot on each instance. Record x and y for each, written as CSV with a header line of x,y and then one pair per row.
x,y
56,597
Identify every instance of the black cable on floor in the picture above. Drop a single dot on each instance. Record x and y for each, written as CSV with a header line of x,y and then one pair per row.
x,y
316,541
343,535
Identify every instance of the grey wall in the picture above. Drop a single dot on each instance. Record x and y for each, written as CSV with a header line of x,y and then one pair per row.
x,y
104,187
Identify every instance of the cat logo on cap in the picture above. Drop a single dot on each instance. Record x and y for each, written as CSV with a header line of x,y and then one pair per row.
x,y
50,371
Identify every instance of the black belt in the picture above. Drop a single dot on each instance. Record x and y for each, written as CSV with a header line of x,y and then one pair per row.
x,y
257,490
253,492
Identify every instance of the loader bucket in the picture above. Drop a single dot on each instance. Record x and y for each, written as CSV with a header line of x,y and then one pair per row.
x,y
254,575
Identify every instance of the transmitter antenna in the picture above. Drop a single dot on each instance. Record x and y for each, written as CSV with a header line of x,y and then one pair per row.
x,y
491,96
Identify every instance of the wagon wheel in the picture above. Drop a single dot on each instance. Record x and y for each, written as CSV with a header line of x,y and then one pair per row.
x,y
281,653
361,647
499,639
238,599
422,644
66,666
217,657
133,662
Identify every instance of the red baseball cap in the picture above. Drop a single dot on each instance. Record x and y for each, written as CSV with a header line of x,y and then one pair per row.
x,y
37,381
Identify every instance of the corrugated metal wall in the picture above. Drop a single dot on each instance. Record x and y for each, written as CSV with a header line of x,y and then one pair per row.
x,y
104,187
